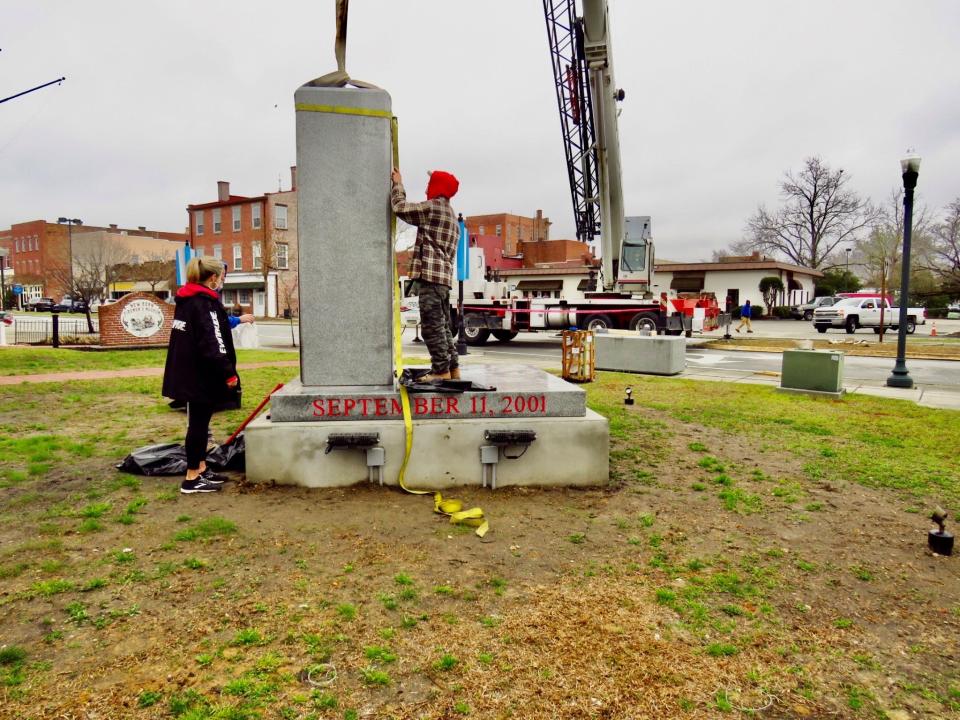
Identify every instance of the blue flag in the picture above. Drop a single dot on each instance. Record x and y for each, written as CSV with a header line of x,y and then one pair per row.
x,y
183,256
463,254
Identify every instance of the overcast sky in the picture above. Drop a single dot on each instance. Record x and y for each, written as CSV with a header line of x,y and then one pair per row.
x,y
165,97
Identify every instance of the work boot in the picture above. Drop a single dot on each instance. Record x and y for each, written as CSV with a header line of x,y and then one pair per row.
x,y
455,373
434,377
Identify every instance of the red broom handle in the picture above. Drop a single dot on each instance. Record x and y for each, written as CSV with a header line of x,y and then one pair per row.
x,y
252,415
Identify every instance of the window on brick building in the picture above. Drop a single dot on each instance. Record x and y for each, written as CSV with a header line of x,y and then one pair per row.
x,y
218,252
244,297
283,256
237,257
257,253
236,218
216,220
256,210
499,230
228,297
280,217
481,230
198,222
17,245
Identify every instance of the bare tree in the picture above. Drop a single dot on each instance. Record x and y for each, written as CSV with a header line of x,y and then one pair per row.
x,y
156,269
945,250
879,253
96,264
819,213
283,263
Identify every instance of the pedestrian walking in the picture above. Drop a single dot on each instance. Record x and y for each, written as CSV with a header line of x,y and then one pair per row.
x,y
201,368
431,266
745,313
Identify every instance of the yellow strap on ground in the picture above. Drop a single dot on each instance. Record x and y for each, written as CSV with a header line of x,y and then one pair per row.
x,y
451,508
343,110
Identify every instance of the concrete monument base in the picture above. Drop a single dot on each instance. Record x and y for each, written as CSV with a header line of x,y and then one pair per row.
x,y
567,451
651,355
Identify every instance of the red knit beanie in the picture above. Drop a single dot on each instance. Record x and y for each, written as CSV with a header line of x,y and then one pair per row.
x,y
442,184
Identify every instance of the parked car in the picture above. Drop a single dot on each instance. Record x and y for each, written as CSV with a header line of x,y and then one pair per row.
x,y
69,305
410,311
805,311
953,311
43,304
857,312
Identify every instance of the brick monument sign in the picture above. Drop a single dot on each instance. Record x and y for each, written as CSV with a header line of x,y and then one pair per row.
x,y
135,320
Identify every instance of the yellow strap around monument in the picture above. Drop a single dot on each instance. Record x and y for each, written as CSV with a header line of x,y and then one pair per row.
x,y
451,508
343,110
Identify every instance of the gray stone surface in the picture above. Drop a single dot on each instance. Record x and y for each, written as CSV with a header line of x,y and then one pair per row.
x,y
651,355
345,252
522,391
567,452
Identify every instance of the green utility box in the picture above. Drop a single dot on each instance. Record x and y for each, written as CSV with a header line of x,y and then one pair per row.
x,y
812,371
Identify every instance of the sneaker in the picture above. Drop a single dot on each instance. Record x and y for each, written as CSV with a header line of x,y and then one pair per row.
x,y
212,478
737,329
750,331
188,487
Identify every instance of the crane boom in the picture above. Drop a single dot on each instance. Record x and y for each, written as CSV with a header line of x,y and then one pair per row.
x,y
565,40
587,96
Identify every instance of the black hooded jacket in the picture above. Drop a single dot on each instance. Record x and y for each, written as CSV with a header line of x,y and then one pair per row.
x,y
200,358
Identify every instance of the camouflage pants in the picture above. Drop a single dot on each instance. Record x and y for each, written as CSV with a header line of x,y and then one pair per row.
x,y
435,326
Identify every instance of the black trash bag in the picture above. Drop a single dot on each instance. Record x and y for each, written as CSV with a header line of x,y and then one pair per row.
x,y
229,457
166,459
171,458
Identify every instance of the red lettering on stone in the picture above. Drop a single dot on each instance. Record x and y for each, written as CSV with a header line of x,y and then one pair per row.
x,y
381,406
436,406
318,408
452,407
397,407
334,407
420,406
363,406
348,405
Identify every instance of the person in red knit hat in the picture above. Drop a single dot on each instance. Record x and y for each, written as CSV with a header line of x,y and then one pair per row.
x,y
431,265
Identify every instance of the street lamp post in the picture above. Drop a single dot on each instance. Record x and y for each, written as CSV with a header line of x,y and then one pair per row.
x,y
846,275
70,222
910,165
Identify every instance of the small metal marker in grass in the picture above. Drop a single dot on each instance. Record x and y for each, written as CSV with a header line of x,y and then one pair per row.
x,y
939,540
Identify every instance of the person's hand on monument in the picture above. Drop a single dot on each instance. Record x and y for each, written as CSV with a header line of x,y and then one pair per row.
x,y
248,318
395,177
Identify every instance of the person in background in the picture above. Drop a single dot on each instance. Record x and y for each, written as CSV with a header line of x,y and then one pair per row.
x,y
431,266
232,317
201,367
745,313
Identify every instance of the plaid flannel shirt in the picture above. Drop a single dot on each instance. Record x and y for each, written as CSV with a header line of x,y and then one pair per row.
x,y
437,235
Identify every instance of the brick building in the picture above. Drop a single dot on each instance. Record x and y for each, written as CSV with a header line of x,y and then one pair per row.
x,y
513,229
257,238
40,250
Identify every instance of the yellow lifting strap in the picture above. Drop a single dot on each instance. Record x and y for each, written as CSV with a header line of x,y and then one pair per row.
x,y
451,508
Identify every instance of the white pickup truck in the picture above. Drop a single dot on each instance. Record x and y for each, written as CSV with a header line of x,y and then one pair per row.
x,y
860,312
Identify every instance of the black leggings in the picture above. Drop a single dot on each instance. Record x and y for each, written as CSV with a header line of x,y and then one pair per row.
x,y
198,425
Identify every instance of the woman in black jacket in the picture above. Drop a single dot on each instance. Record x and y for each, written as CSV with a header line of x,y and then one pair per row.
x,y
201,368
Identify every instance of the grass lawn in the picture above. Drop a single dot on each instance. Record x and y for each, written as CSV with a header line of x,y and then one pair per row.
x,y
30,361
755,555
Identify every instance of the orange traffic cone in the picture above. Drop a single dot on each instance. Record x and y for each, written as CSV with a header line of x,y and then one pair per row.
x,y
933,329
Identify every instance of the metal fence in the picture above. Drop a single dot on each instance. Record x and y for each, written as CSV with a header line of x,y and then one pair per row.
x,y
40,332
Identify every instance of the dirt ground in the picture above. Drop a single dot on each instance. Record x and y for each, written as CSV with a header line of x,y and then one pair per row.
x,y
646,599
